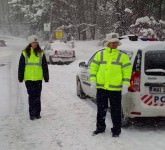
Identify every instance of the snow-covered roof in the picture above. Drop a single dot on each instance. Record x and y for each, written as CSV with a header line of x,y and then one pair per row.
x,y
128,45
59,45
14,1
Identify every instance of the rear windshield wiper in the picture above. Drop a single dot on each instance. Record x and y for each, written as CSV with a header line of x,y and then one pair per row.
x,y
156,70
160,72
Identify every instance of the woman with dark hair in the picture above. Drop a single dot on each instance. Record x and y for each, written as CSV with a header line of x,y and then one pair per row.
x,y
33,69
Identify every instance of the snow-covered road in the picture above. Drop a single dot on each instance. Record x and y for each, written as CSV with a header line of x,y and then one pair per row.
x,y
5,91
67,122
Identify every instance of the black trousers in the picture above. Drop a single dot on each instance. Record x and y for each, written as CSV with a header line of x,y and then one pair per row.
x,y
34,91
115,104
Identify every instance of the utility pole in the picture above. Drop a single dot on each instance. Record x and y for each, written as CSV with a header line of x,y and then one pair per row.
x,y
4,15
4,11
47,25
51,10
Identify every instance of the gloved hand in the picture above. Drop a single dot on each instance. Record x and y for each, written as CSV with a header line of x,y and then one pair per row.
x,y
93,85
124,89
20,81
46,80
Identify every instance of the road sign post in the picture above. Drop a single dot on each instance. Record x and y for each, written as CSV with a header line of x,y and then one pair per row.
x,y
47,30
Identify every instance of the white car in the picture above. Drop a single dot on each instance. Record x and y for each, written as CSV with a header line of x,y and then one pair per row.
x,y
59,53
146,95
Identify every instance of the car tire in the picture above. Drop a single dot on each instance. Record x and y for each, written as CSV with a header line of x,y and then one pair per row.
x,y
80,92
125,121
60,63
67,63
50,60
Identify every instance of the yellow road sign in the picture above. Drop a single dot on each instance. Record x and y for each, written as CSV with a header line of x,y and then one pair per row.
x,y
59,34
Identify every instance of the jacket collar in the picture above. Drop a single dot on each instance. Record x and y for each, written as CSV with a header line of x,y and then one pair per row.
x,y
111,50
31,49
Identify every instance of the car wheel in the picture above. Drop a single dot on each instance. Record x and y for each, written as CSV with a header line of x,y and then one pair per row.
x,y
125,121
80,92
60,63
67,63
50,60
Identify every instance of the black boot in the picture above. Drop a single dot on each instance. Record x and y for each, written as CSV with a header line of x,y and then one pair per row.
x,y
115,135
98,132
38,117
32,118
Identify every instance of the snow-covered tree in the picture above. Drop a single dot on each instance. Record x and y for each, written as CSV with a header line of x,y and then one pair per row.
x,y
84,19
149,27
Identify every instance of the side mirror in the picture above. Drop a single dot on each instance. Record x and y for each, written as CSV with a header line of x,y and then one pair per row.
x,y
82,64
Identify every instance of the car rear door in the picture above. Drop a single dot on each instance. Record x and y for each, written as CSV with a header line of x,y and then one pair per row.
x,y
153,78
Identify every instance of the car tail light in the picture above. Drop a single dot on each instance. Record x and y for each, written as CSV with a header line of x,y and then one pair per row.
x,y
152,39
136,73
135,82
73,53
56,52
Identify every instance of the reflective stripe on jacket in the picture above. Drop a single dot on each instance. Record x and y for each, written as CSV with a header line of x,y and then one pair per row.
x,y
110,69
33,66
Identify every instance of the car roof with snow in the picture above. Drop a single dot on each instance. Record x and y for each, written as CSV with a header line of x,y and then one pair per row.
x,y
128,45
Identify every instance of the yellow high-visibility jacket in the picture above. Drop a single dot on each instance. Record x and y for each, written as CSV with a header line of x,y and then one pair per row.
x,y
33,66
110,69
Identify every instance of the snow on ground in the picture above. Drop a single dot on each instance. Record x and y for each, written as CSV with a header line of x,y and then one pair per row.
x,y
67,122
5,91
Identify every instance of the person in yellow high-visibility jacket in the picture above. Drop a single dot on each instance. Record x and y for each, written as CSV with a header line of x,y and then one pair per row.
x,y
110,72
33,69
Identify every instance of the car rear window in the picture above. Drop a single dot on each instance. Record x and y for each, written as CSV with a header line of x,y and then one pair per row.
x,y
155,62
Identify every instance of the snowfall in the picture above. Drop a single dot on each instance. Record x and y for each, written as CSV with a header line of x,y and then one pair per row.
x,y
67,121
